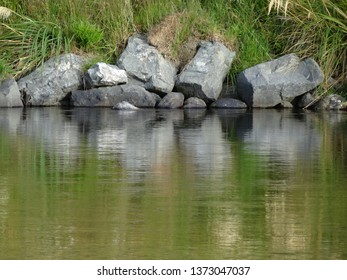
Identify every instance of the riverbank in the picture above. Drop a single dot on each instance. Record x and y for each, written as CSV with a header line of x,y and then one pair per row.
x,y
32,32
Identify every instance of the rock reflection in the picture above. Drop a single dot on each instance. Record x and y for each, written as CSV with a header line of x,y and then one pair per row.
x,y
143,139
283,134
205,145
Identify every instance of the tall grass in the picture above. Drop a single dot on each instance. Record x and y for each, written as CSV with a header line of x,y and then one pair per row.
x,y
317,29
26,43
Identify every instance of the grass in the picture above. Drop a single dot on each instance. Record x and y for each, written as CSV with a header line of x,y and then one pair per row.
x,y
27,43
86,35
32,31
316,29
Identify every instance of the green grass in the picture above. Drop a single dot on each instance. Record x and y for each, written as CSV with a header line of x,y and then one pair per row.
x,y
39,29
27,43
86,35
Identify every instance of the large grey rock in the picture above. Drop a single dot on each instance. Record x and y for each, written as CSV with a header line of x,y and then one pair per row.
x,y
111,96
144,64
102,74
272,83
172,100
203,76
50,83
9,94
228,103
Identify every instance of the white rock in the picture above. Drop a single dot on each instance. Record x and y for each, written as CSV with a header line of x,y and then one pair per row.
x,y
102,74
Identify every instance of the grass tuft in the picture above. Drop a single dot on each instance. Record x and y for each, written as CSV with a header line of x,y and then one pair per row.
x,y
86,34
27,43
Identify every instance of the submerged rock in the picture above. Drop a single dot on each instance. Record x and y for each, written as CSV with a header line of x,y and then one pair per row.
x,y
9,94
271,83
49,84
203,77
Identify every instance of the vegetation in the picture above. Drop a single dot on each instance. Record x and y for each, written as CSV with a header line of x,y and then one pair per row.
x,y
317,29
32,31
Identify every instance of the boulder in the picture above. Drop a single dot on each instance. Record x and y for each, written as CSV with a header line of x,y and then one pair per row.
x,y
111,96
144,64
49,84
9,94
331,102
124,105
102,74
228,103
203,76
271,83
172,100
194,103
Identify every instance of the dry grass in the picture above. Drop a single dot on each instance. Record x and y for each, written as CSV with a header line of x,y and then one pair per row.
x,y
163,35
177,37
278,5
5,13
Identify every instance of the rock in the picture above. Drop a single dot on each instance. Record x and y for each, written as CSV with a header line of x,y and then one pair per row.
x,y
124,105
330,102
143,63
285,104
111,96
228,103
9,94
50,83
172,100
102,74
304,100
228,91
269,84
194,103
203,77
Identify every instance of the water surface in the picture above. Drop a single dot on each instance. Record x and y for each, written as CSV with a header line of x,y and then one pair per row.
x,y
172,184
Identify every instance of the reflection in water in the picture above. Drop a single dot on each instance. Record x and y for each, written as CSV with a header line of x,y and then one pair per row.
x,y
172,184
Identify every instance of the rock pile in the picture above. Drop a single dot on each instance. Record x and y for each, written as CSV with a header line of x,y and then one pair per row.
x,y
143,78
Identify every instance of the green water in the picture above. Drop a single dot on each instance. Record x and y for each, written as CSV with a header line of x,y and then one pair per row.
x,y
103,184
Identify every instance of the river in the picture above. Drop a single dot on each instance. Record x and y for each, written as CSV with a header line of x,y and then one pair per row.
x,y
87,183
